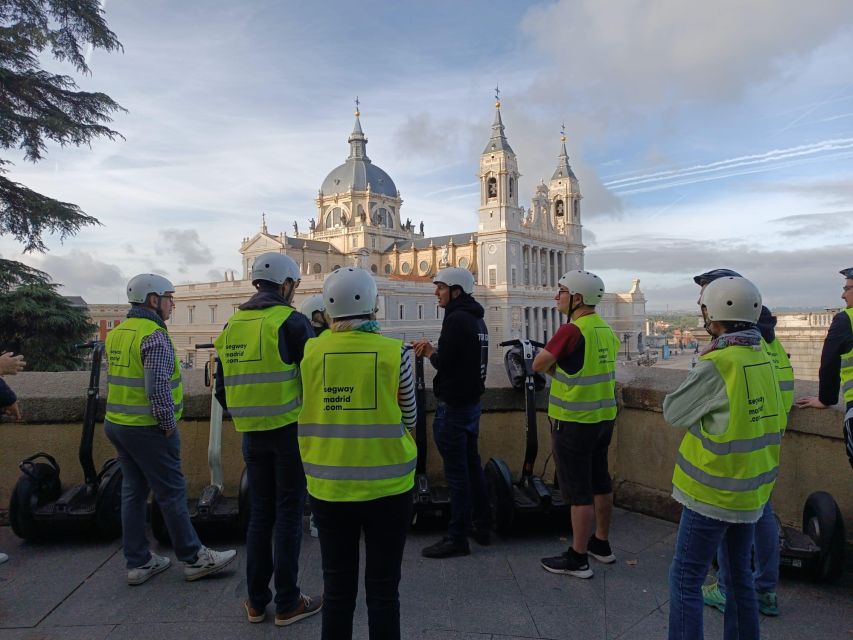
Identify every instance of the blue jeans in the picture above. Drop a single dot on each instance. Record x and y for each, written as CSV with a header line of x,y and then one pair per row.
x,y
456,431
766,557
698,540
277,498
149,459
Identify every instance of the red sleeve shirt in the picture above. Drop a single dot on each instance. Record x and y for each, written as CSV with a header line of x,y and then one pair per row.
x,y
567,346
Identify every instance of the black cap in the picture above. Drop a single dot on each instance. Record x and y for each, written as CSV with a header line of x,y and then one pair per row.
x,y
709,276
847,273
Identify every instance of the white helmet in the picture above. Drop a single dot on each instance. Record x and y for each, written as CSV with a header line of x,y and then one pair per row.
x,y
732,299
275,268
348,292
140,286
589,285
311,304
456,277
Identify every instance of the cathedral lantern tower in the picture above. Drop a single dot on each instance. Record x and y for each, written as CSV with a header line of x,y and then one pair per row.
x,y
564,199
499,176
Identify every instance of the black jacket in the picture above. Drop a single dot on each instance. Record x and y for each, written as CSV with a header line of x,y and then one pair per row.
x,y
838,341
7,396
292,335
463,353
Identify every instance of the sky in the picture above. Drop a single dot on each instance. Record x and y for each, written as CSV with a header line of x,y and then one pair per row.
x,y
703,135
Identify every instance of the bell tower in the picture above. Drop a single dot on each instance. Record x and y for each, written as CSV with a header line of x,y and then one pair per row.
x,y
499,210
564,199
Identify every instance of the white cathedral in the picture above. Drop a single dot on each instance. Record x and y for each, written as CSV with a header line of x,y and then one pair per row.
x,y
516,256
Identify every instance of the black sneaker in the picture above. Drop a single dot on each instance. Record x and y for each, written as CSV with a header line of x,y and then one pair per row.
x,y
600,550
447,547
570,563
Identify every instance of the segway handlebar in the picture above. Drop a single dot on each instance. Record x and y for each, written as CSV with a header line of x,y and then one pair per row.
x,y
516,342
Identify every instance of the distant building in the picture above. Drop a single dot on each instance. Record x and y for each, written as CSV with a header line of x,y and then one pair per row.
x,y
107,316
516,254
802,335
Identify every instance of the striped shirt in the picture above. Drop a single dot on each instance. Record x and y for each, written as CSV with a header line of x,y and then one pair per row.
x,y
406,395
158,358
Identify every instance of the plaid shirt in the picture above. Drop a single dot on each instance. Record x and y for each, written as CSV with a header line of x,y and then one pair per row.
x,y
158,358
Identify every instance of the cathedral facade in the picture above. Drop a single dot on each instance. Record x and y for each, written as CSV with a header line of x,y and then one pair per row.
x,y
516,255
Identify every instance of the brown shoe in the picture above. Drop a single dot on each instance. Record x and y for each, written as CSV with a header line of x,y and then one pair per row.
x,y
308,606
254,615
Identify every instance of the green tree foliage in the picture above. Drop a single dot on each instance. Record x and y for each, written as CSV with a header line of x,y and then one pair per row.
x,y
36,108
38,322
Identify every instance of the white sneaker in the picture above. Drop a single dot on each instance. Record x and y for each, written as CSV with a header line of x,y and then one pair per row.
x,y
155,565
207,562
3,558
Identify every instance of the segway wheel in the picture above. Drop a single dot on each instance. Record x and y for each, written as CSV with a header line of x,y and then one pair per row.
x,y
243,505
158,524
823,523
108,504
500,496
33,489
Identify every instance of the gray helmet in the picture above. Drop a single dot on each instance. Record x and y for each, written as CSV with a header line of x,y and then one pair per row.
x,y
349,292
456,277
311,304
275,268
731,299
589,285
140,286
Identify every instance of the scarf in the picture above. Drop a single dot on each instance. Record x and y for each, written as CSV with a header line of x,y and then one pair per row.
x,y
744,338
148,314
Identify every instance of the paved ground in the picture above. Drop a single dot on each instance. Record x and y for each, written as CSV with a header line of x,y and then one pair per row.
x,y
76,590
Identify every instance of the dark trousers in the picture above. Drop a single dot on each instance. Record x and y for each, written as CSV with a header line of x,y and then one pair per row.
x,y
277,498
385,522
456,431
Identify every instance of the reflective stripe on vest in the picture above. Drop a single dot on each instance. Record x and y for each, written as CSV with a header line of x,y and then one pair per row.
x,y
847,367
127,395
588,396
736,470
261,391
784,371
351,437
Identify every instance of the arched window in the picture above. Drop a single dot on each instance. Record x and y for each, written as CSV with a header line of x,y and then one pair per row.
x,y
463,262
405,267
510,187
316,268
388,268
492,188
423,266
374,268
334,218
576,210
559,208
336,267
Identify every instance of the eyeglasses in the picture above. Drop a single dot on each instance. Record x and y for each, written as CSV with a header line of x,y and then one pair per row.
x,y
562,291
847,288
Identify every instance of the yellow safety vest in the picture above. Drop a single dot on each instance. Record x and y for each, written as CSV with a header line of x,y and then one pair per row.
x,y
127,398
784,371
354,446
588,396
847,367
261,391
737,469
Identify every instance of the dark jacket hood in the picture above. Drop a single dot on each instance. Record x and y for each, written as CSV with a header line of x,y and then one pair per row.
x,y
466,303
767,325
263,299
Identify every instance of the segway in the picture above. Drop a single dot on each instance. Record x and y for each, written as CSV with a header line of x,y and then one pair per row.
x,y
39,507
530,494
818,550
213,508
430,499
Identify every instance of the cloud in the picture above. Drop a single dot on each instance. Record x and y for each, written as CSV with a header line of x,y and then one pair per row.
x,y
81,273
671,51
588,237
786,278
187,245
812,224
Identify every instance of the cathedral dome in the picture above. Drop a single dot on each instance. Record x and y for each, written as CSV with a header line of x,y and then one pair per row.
x,y
358,172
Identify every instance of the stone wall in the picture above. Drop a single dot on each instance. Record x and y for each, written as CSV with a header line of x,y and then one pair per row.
x,y
642,454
